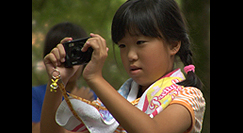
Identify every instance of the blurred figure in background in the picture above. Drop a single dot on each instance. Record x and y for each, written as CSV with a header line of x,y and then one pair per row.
x,y
53,37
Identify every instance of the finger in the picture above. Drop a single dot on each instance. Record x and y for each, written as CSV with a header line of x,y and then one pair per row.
x,y
91,42
85,93
96,42
91,98
94,35
50,58
86,46
100,39
66,39
55,52
87,89
75,90
62,52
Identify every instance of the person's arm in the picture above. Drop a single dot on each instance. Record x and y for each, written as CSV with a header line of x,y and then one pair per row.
x,y
175,118
35,127
51,102
52,99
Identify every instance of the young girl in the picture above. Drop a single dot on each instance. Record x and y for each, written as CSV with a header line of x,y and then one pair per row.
x,y
149,33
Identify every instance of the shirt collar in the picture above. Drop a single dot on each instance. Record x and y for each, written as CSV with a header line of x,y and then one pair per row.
x,y
175,73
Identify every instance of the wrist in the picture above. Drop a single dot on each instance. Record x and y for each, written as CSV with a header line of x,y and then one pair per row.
x,y
94,80
92,77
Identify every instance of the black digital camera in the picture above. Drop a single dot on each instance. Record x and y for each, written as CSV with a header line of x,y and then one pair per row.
x,y
74,55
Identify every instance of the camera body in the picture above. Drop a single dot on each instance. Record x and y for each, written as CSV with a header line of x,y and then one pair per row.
x,y
74,55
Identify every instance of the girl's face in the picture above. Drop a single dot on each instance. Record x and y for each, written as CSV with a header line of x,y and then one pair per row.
x,y
145,59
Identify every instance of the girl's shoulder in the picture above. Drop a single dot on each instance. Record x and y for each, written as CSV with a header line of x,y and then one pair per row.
x,y
192,98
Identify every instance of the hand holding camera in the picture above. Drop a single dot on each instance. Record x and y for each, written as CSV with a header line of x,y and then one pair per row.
x,y
94,67
73,53
56,58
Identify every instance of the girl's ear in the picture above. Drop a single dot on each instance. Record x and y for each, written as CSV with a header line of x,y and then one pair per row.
x,y
175,47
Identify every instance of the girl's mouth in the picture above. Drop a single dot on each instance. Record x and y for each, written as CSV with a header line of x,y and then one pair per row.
x,y
134,70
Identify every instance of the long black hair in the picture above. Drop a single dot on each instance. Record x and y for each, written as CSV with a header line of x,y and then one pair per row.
x,y
160,19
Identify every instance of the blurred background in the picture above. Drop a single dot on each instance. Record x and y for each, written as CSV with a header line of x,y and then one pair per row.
x,y
96,16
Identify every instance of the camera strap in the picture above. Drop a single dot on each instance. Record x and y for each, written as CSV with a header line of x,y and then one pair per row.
x,y
57,82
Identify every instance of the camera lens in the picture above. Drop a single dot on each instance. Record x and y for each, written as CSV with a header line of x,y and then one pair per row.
x,y
76,53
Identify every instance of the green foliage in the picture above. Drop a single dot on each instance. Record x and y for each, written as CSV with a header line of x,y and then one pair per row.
x,y
93,15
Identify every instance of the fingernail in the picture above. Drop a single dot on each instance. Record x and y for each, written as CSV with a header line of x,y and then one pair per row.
x,y
63,60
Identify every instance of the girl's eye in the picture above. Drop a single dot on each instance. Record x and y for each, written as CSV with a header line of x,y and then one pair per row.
x,y
140,42
121,45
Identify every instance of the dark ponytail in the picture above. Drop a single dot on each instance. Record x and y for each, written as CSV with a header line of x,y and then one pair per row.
x,y
160,19
185,55
191,80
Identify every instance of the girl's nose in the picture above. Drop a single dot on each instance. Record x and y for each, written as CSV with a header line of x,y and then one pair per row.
x,y
132,55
